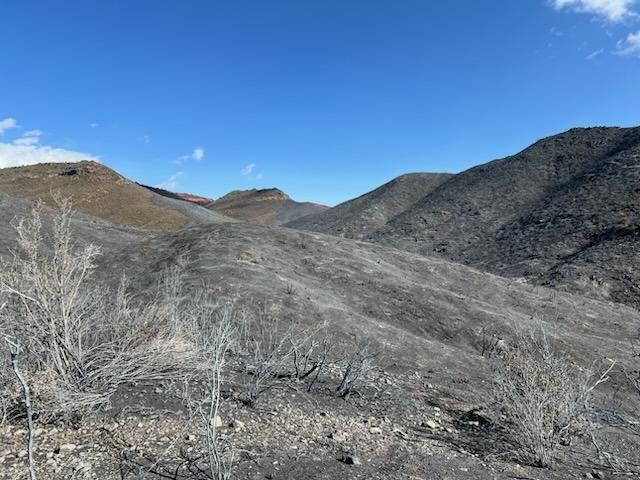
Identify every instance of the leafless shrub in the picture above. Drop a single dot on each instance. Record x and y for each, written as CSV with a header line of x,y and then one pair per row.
x,y
491,343
269,348
632,374
81,341
310,354
355,368
15,349
543,397
215,334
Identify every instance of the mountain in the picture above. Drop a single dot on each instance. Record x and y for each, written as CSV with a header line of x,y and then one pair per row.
x,y
99,191
268,206
361,216
564,212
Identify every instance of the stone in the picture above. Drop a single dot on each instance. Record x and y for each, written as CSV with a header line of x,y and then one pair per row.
x,y
431,424
216,422
349,459
375,430
67,447
237,424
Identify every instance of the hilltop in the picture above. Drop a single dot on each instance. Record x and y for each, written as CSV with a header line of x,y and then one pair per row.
x,y
361,216
269,206
99,191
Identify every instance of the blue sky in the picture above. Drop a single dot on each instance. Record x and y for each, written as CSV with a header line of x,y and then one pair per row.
x,y
325,99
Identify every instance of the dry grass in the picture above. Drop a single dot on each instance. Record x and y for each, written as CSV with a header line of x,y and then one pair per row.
x,y
93,189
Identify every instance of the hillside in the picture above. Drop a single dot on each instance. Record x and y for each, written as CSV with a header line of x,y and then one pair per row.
x,y
425,412
361,216
99,191
268,206
563,212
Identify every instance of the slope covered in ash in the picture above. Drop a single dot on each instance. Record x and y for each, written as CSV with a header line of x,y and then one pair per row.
x,y
565,212
269,206
419,416
99,191
361,216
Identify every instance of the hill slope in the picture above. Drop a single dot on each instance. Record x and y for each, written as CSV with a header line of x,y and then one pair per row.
x,y
425,314
565,211
267,206
361,216
103,193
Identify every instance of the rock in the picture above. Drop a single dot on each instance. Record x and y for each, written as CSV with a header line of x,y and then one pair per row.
x,y
237,424
431,424
22,454
216,422
338,436
375,430
67,447
190,438
349,459
164,439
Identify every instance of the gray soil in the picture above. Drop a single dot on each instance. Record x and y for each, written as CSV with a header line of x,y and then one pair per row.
x,y
564,212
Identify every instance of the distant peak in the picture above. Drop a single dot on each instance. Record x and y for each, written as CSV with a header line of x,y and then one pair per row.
x,y
262,194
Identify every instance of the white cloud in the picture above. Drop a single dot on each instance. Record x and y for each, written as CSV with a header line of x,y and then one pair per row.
x,y
198,154
594,54
94,124
630,46
32,137
248,169
12,155
7,124
610,10
171,183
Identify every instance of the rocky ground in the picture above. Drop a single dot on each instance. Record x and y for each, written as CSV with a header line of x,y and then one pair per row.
x,y
400,427
425,411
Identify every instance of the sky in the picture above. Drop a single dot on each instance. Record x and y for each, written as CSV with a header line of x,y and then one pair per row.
x,y
324,99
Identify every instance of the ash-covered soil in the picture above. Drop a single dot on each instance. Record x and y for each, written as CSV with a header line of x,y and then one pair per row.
x,y
425,410
563,212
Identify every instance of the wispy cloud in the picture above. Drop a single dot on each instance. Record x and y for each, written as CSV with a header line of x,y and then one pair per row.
x,y
594,54
630,46
145,139
94,124
7,124
246,171
32,137
609,10
197,155
171,183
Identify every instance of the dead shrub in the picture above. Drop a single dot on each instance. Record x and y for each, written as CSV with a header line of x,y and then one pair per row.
x,y
81,341
355,367
545,399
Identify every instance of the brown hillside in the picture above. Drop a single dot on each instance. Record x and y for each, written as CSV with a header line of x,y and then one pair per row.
x,y
99,191
269,206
